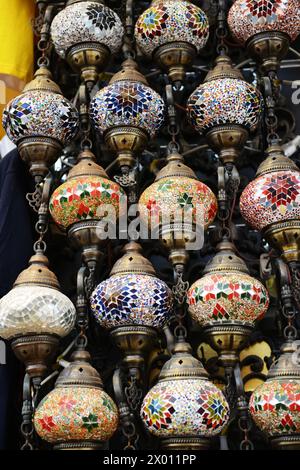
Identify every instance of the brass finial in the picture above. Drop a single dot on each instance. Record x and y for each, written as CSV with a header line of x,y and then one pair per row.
x,y
87,166
287,365
133,261
38,273
42,81
79,373
275,161
129,72
223,69
225,260
175,167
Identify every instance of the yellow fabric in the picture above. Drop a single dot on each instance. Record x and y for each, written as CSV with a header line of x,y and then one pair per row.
x,y
16,48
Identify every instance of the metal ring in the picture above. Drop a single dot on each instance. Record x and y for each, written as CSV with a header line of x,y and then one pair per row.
x,y
40,245
180,331
290,332
81,341
246,445
43,61
86,143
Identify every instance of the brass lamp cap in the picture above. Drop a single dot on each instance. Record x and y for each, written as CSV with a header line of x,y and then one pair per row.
x,y
175,167
275,161
129,72
133,261
37,273
70,2
225,260
87,166
182,365
79,373
42,81
223,69
288,363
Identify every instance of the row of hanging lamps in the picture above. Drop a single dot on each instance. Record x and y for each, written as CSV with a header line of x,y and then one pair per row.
x,y
86,33
171,33
128,113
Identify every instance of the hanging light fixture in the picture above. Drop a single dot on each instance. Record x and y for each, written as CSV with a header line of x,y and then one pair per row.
x,y
184,409
81,202
275,404
225,108
78,414
86,33
172,32
133,304
127,112
34,315
226,302
40,122
271,203
266,28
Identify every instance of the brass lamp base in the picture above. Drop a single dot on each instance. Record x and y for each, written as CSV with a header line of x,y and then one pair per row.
x,y
286,442
89,59
80,445
86,235
227,141
185,443
178,238
285,236
175,57
268,49
36,352
126,141
39,153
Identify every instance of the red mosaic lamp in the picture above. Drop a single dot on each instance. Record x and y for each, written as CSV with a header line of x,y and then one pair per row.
x,y
227,302
271,203
275,404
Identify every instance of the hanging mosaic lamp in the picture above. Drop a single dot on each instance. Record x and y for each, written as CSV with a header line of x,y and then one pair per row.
x,y
127,112
266,28
81,202
271,203
78,414
86,33
225,108
179,206
226,302
275,404
34,315
172,32
184,409
133,304
40,122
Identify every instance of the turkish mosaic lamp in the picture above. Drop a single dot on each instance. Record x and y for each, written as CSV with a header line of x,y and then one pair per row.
x,y
266,27
271,203
127,113
225,108
226,302
86,33
40,122
34,315
172,32
77,414
184,409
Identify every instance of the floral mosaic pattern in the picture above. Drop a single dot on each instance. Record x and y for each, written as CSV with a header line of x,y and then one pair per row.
x,y
227,296
190,407
249,17
76,414
178,197
275,407
132,299
273,197
38,309
224,101
79,199
84,22
169,21
126,103
41,113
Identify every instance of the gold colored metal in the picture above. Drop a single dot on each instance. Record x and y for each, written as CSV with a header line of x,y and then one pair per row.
x,y
42,81
175,167
226,260
268,49
89,59
133,261
79,373
38,273
175,57
129,72
85,235
79,445
86,166
39,153
227,141
275,161
223,69
185,443
126,141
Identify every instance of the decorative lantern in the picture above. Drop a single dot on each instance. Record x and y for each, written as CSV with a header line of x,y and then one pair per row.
x,y
79,205
77,414
226,302
172,32
133,303
184,409
271,203
40,122
34,315
225,108
86,33
180,206
275,404
128,112
266,27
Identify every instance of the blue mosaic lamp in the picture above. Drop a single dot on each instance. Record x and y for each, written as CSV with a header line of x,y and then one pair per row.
x,y
132,303
127,112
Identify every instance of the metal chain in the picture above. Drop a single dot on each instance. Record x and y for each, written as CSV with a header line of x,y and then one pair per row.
x,y
271,93
295,274
27,429
34,199
244,419
288,308
221,29
173,128
44,42
41,226
133,393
